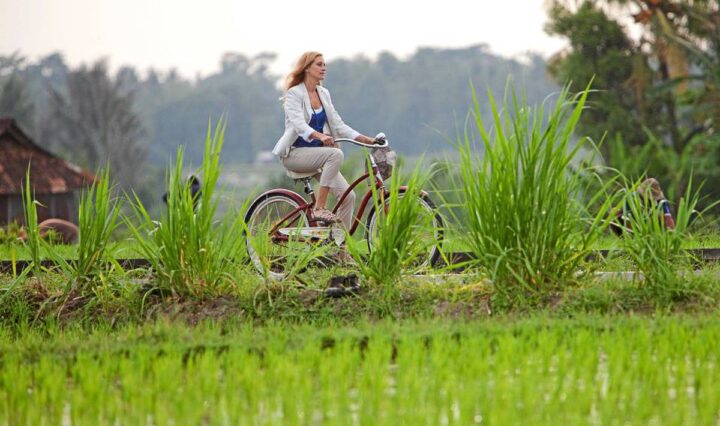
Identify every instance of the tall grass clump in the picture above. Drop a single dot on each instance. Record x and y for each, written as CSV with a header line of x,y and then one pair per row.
x,y
525,190
656,251
98,218
403,233
191,251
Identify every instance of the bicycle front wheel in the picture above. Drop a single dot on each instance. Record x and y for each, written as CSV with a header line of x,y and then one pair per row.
x,y
268,219
426,233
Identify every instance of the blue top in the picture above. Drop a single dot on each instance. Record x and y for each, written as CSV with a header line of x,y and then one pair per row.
x,y
317,122
664,205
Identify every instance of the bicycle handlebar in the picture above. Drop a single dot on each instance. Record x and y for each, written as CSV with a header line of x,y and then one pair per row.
x,y
380,141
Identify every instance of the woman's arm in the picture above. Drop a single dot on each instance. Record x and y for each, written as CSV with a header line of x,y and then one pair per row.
x,y
365,139
295,114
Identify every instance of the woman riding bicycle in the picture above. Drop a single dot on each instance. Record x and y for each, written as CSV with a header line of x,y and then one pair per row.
x,y
311,126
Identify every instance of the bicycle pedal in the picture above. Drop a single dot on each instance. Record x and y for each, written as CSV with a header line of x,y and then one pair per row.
x,y
327,222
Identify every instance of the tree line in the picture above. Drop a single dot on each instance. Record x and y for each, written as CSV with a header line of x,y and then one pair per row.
x,y
137,120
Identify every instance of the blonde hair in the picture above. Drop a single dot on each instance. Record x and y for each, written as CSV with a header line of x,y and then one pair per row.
x,y
297,75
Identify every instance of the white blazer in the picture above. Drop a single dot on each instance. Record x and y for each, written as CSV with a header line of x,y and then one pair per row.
x,y
298,112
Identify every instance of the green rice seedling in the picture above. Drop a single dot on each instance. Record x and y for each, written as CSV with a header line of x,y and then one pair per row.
x,y
17,280
191,251
400,243
525,198
301,255
33,241
97,220
538,370
443,188
98,217
658,252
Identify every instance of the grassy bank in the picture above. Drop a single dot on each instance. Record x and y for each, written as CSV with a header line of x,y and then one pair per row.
x,y
133,299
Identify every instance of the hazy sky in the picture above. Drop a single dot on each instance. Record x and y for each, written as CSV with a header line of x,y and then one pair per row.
x,y
192,35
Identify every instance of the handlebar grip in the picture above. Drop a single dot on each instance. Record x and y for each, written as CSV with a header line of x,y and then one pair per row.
x,y
380,139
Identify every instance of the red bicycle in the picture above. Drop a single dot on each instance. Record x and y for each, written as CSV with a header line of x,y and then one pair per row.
x,y
286,217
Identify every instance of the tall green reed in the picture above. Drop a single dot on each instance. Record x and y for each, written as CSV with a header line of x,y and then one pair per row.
x,y
656,251
98,218
525,197
32,230
299,255
191,251
404,232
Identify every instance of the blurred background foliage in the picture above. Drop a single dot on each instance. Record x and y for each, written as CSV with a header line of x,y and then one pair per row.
x,y
138,119
654,64
656,70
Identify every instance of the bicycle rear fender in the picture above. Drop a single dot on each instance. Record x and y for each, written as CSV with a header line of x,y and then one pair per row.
x,y
290,193
287,192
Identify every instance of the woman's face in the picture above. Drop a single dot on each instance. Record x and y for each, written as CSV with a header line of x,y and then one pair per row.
x,y
316,70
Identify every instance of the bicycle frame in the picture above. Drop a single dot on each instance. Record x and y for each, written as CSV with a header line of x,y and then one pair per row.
x,y
306,207
379,187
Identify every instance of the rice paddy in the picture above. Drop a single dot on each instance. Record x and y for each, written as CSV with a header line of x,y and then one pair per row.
x,y
534,371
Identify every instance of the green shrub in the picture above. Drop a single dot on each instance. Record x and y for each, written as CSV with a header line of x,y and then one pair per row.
x,y
98,218
524,195
656,251
191,251
404,234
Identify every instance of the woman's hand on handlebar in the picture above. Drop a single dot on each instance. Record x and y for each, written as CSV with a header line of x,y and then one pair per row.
x,y
327,140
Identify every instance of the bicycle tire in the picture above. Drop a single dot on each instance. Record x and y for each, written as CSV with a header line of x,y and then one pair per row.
x,y
433,249
267,210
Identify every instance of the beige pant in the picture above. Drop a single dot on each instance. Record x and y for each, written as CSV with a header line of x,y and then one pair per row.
x,y
304,160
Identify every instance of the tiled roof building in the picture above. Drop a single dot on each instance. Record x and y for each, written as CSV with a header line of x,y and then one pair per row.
x,y
53,179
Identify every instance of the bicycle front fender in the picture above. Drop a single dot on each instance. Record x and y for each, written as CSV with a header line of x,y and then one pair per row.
x,y
404,188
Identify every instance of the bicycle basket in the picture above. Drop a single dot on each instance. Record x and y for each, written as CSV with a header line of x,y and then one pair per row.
x,y
385,158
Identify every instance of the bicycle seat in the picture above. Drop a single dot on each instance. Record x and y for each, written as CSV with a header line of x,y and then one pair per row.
x,y
298,175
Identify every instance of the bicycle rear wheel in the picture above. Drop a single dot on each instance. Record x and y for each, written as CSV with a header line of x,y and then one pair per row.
x,y
268,247
427,233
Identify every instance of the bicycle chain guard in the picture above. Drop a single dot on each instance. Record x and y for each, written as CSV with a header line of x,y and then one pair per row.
x,y
334,233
